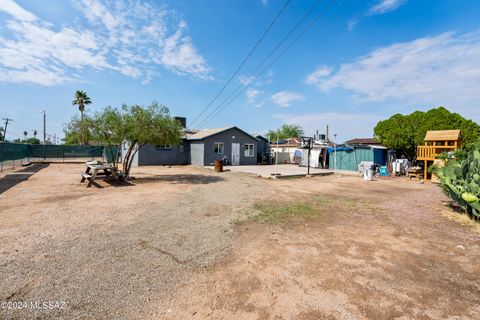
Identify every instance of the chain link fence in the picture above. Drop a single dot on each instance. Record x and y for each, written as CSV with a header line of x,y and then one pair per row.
x,y
14,155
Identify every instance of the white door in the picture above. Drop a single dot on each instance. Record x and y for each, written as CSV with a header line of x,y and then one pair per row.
x,y
235,154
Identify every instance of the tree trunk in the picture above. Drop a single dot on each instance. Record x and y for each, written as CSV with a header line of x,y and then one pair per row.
x,y
130,163
127,164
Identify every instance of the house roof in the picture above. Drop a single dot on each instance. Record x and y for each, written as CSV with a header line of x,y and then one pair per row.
x,y
260,137
205,133
368,141
442,135
187,133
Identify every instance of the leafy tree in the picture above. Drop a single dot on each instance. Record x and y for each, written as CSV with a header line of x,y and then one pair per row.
x,y
108,127
405,132
77,131
135,125
285,131
27,141
1,133
32,141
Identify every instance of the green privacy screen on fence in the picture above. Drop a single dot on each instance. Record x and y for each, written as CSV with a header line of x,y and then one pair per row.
x,y
15,151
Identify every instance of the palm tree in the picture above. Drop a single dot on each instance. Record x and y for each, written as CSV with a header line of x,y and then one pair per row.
x,y
81,99
25,133
35,133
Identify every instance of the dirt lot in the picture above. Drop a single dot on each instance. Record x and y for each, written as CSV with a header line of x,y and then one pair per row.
x,y
188,243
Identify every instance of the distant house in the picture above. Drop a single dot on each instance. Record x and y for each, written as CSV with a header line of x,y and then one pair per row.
x,y
201,148
285,149
363,141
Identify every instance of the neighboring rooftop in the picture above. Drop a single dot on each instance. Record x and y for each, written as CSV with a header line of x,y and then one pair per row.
x,y
442,135
369,141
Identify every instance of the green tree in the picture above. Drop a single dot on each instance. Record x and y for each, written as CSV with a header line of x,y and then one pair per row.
x,y
284,132
136,125
1,133
405,132
77,131
32,141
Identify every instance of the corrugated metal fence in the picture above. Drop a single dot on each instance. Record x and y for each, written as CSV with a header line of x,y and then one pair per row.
x,y
17,154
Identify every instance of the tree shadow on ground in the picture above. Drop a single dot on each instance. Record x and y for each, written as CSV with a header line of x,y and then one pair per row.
x,y
179,179
12,179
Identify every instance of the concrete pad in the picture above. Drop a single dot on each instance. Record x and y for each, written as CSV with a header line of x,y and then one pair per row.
x,y
281,170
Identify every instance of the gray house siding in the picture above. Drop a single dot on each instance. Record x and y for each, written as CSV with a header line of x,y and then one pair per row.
x,y
263,147
196,153
227,138
151,155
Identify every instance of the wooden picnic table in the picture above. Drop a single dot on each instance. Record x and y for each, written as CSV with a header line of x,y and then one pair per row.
x,y
93,171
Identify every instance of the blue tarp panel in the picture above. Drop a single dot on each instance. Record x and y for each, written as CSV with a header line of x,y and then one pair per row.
x,y
349,158
380,156
331,150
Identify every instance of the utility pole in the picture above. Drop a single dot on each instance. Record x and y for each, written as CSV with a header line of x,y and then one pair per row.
x,y
276,158
7,120
44,131
335,146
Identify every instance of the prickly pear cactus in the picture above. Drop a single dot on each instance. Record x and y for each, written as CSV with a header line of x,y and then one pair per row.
x,y
461,180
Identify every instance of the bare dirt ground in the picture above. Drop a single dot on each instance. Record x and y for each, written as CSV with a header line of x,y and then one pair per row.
x,y
181,244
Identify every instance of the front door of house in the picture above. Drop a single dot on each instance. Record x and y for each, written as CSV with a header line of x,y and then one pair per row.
x,y
235,154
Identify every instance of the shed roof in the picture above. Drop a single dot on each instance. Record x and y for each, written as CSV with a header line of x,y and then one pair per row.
x,y
205,133
442,135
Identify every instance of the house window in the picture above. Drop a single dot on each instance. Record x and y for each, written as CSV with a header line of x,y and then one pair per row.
x,y
248,150
163,147
218,148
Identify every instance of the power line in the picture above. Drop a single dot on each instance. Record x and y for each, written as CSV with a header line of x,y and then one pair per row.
x,y
244,60
300,22
227,102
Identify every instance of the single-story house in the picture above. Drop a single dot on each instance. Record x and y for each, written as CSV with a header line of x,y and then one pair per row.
x,y
285,149
209,145
201,148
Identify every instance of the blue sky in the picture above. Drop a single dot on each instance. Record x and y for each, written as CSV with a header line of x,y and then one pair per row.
x,y
360,62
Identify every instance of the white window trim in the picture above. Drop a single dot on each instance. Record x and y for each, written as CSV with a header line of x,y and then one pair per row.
x,y
245,150
223,147
163,147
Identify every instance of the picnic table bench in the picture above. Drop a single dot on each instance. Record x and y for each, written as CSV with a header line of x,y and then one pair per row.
x,y
94,171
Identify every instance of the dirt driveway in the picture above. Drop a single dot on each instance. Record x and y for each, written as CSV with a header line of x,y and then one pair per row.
x,y
188,243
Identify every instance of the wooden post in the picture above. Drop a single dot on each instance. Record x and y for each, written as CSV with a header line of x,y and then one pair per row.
x,y
425,171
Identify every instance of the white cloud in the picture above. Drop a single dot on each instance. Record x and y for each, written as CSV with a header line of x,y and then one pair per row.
x,y
252,93
255,97
319,73
130,37
381,7
179,55
384,6
346,125
286,98
12,8
439,70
